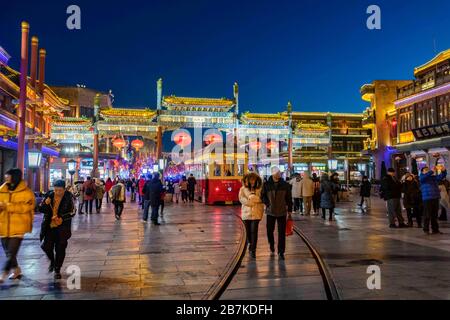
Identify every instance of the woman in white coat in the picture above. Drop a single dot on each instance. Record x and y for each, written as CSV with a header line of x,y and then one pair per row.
x,y
252,208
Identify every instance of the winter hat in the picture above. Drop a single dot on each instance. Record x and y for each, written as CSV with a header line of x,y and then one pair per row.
x,y
59,184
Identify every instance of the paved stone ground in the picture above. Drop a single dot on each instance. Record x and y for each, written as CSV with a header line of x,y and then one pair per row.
x,y
413,265
128,259
268,278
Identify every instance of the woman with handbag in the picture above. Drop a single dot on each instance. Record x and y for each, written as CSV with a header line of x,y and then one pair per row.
x,y
252,208
56,227
16,219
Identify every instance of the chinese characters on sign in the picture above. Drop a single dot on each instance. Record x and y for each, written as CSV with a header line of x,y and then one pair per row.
x,y
432,131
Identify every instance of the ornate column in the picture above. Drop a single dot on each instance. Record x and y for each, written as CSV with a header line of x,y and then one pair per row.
x,y
159,143
95,151
23,97
290,159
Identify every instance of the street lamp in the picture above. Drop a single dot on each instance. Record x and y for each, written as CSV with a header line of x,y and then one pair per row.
x,y
332,165
34,158
72,165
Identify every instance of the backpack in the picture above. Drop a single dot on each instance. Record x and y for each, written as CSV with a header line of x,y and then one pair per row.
x,y
89,191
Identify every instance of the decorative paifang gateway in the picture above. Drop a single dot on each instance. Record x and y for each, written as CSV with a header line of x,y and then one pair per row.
x,y
128,115
264,119
312,128
198,104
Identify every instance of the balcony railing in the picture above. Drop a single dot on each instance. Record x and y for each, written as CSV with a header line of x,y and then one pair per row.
x,y
421,85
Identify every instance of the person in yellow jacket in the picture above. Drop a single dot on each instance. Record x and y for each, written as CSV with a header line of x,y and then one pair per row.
x,y
252,208
17,205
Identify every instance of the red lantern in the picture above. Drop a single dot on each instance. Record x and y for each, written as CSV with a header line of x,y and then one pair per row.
x,y
63,160
394,122
51,159
213,138
255,145
182,139
119,143
272,145
137,144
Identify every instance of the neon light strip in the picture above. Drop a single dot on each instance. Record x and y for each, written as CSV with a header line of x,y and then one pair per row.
x,y
13,146
423,95
11,123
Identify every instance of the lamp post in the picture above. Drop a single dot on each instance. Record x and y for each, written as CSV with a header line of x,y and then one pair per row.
x,y
72,165
34,158
34,161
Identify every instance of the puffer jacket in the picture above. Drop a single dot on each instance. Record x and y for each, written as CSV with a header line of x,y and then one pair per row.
x,y
65,211
252,206
17,219
306,187
295,183
277,198
411,194
429,185
99,191
327,188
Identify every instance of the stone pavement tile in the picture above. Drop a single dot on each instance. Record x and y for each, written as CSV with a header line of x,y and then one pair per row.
x,y
305,292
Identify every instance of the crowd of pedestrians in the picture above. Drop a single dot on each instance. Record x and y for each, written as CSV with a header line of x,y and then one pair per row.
x,y
424,197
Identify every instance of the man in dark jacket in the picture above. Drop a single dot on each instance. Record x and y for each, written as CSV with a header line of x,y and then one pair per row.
x,y
152,196
277,197
191,187
365,192
58,210
429,185
391,192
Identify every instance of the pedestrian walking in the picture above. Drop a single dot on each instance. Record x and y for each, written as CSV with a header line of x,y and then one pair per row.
x,y
162,200
56,227
118,198
335,178
133,189
296,195
191,187
17,204
327,188
108,186
88,194
364,192
79,195
100,190
391,192
429,186
412,199
141,183
444,188
252,208
307,192
277,198
152,189
176,191
184,189
316,196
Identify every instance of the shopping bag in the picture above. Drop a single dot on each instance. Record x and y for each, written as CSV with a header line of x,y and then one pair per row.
x,y
289,226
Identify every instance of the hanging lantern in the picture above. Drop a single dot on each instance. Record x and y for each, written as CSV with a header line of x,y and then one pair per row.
x,y
5,138
394,122
255,145
272,145
119,143
182,139
213,138
63,160
137,144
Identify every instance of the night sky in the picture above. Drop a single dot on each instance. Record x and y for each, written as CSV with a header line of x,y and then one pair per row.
x,y
315,53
